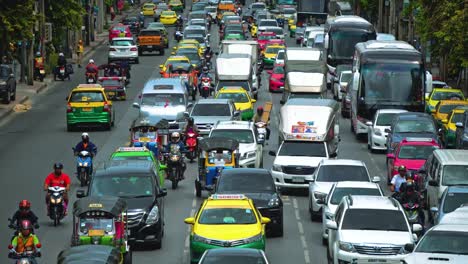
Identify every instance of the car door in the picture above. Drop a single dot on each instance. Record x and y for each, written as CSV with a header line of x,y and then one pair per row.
x,y
433,190
332,233
158,188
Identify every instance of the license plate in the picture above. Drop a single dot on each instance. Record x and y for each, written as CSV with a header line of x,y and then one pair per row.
x,y
297,179
111,93
42,71
87,109
96,233
282,87
121,35
122,50
144,139
149,46
90,80
62,71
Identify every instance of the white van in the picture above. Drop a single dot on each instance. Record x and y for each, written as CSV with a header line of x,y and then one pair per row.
x,y
304,85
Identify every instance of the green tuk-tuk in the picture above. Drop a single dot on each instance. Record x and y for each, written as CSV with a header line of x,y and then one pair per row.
x,y
90,254
101,221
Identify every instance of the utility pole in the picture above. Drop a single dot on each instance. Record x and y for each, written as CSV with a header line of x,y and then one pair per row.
x,y
42,27
100,16
381,16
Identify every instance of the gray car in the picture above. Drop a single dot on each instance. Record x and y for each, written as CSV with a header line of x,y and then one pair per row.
x,y
7,84
207,112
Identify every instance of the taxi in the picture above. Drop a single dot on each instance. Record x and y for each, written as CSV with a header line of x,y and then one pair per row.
x,y
140,153
449,127
438,94
269,56
264,37
168,17
191,42
443,109
88,104
172,60
192,52
176,5
226,221
242,101
148,9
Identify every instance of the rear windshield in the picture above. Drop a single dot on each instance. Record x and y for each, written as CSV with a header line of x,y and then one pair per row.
x,y
245,183
144,158
122,43
416,152
303,149
150,33
447,96
86,97
278,69
241,135
236,97
339,193
445,109
165,100
336,173
211,110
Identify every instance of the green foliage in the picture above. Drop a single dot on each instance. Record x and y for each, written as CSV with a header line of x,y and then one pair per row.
x,y
51,63
17,19
65,13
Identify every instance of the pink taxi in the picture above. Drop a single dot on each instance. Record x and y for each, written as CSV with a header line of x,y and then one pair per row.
x,y
276,78
119,31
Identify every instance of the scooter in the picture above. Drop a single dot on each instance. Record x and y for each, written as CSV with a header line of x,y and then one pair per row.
x,y
27,257
39,73
262,131
56,204
91,77
174,167
412,212
205,87
61,73
191,143
84,163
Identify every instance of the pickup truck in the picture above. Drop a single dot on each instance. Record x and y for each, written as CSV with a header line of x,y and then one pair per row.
x,y
150,40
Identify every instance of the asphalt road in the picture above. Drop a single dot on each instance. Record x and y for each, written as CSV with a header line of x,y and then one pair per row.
x,y
31,142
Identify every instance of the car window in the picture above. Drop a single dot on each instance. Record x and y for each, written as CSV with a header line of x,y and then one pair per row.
x,y
244,183
336,173
165,100
445,109
302,149
150,33
225,216
126,186
440,95
374,219
273,49
122,43
241,135
456,117
211,110
339,213
232,259
455,175
142,158
4,72
339,193
410,126
278,70
385,119
446,242
77,97
111,83
236,97
415,152
453,201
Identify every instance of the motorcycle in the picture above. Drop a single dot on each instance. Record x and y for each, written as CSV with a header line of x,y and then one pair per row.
x,y
27,257
56,204
208,57
84,163
412,212
262,131
174,166
61,73
178,36
191,143
194,92
39,73
91,77
205,87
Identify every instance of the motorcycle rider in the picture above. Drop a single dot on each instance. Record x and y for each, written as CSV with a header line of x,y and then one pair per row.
x,y
205,73
258,118
23,213
60,179
92,67
85,145
398,179
25,241
190,127
177,143
180,21
61,61
178,34
125,68
409,179
411,195
38,63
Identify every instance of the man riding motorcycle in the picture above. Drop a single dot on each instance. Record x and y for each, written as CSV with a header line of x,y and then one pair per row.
x,y
191,127
177,143
23,213
411,196
205,73
25,241
60,179
38,64
92,67
258,118
398,179
61,61
85,145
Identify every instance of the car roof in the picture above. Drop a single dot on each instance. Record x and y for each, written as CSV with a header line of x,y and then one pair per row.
x,y
391,111
128,167
357,184
123,38
344,162
452,156
232,89
245,171
194,27
450,227
452,102
457,189
373,202
213,101
178,87
241,125
419,142
413,116
447,90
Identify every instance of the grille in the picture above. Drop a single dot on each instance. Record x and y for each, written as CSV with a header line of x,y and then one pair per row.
x,y
204,126
134,217
291,182
377,250
298,170
226,243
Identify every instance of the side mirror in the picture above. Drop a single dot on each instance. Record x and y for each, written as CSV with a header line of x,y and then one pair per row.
x,y
162,192
80,194
433,183
444,121
265,220
409,247
282,101
459,124
253,100
368,123
388,130
321,201
376,179
332,225
417,228
189,105
136,105
272,153
216,53
390,156
190,220
434,210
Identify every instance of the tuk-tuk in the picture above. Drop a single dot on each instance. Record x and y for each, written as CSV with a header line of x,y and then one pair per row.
x,y
216,154
114,87
101,221
146,132
87,254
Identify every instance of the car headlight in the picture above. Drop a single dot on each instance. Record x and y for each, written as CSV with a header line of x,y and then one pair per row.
x,y
250,154
197,238
274,202
330,216
256,238
377,132
153,216
348,247
2,83
320,195
277,168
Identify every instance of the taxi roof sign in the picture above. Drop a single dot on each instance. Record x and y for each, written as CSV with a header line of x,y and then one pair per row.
x,y
131,149
410,139
228,197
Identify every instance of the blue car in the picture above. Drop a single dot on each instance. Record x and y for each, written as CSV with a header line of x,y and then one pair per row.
x,y
452,198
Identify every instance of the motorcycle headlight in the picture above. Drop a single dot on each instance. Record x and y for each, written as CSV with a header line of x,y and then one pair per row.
x,y
274,202
56,201
85,164
197,238
277,168
320,195
348,247
80,164
256,238
153,216
174,158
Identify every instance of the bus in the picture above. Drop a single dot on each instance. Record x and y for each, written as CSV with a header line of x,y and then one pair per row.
x,y
386,74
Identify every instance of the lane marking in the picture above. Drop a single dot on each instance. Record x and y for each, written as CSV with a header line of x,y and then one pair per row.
x,y
287,203
187,242
298,217
304,243
306,256
301,228
295,203
194,203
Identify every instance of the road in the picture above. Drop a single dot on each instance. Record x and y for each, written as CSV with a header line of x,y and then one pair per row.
x,y
32,141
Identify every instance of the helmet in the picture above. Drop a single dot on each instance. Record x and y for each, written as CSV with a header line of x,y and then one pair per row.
x,y
58,166
205,69
85,135
175,137
24,204
61,54
401,168
409,187
91,61
26,225
259,110
190,121
38,54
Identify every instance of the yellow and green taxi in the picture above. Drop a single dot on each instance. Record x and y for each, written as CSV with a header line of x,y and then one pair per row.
x,y
176,5
449,128
168,17
88,104
140,153
191,42
444,107
438,94
226,221
241,98
270,54
173,59
148,9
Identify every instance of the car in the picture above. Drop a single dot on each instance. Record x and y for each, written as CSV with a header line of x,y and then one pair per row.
x,y
411,153
458,217
410,124
257,6
272,42
136,182
262,24
211,10
229,16
197,22
441,243
449,126
241,98
310,36
264,37
258,185
318,43
337,192
191,52
377,135
119,31
206,112
202,41
148,9
337,73
168,18
288,12
443,109
114,87
346,104
190,42
7,84
329,172
372,229
173,59
250,142
270,54
160,26
133,22
299,34
277,30
279,59
183,70
236,255
197,15
199,6
461,133
87,104
161,7
176,5
140,153
196,30
276,78
123,49
438,94
339,84
230,220
151,40
439,84
452,198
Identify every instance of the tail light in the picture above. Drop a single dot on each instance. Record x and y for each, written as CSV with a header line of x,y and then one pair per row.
x,y
133,49
69,108
106,107
112,49
10,246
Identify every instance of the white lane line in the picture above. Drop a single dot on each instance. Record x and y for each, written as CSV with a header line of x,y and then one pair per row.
x,y
194,203
301,228
306,256
298,217
192,212
295,203
304,243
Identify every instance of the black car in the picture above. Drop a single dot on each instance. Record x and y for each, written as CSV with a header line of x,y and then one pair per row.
x,y
7,84
461,135
136,182
234,256
133,23
258,185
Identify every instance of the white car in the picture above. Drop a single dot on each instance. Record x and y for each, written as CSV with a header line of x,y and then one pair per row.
x,y
264,23
307,42
441,244
308,31
329,172
123,49
340,83
279,59
250,146
340,190
370,229
376,135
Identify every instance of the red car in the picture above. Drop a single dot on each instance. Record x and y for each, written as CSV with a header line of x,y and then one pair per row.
x,y
276,79
119,31
411,153
264,37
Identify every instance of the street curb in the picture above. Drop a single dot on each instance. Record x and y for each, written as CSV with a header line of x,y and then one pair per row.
x,y
8,112
42,87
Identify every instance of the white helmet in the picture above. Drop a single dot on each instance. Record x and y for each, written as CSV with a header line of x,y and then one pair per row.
x,y
175,136
91,61
84,135
61,54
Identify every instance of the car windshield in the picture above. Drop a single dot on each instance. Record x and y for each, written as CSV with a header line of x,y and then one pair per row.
x,y
163,7
4,72
165,100
339,193
266,37
168,13
457,117
416,152
303,149
446,242
232,259
210,9
385,119
289,11
111,83
268,23
198,7
198,38
236,97
197,15
245,136
243,84
278,70
454,201
343,42
445,109
148,6
455,175
374,219
277,31
194,31
336,173
273,49
125,186
246,183
192,54
346,77
413,126
227,216
130,20
280,55
447,96
78,97
122,43
140,158
86,224
121,29
211,110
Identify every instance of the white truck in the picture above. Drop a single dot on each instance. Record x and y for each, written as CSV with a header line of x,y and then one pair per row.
x,y
304,60
235,70
304,85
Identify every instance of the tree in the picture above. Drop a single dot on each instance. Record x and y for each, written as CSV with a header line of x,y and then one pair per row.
x,y
64,14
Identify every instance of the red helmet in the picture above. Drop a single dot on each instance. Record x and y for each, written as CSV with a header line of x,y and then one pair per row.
x,y
24,204
260,110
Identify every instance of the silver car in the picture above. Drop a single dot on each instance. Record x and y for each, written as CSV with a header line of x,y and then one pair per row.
x,y
377,137
340,84
123,49
207,112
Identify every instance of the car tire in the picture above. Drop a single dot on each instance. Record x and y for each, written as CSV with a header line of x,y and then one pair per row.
x,y
137,61
7,98
13,97
128,258
158,245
